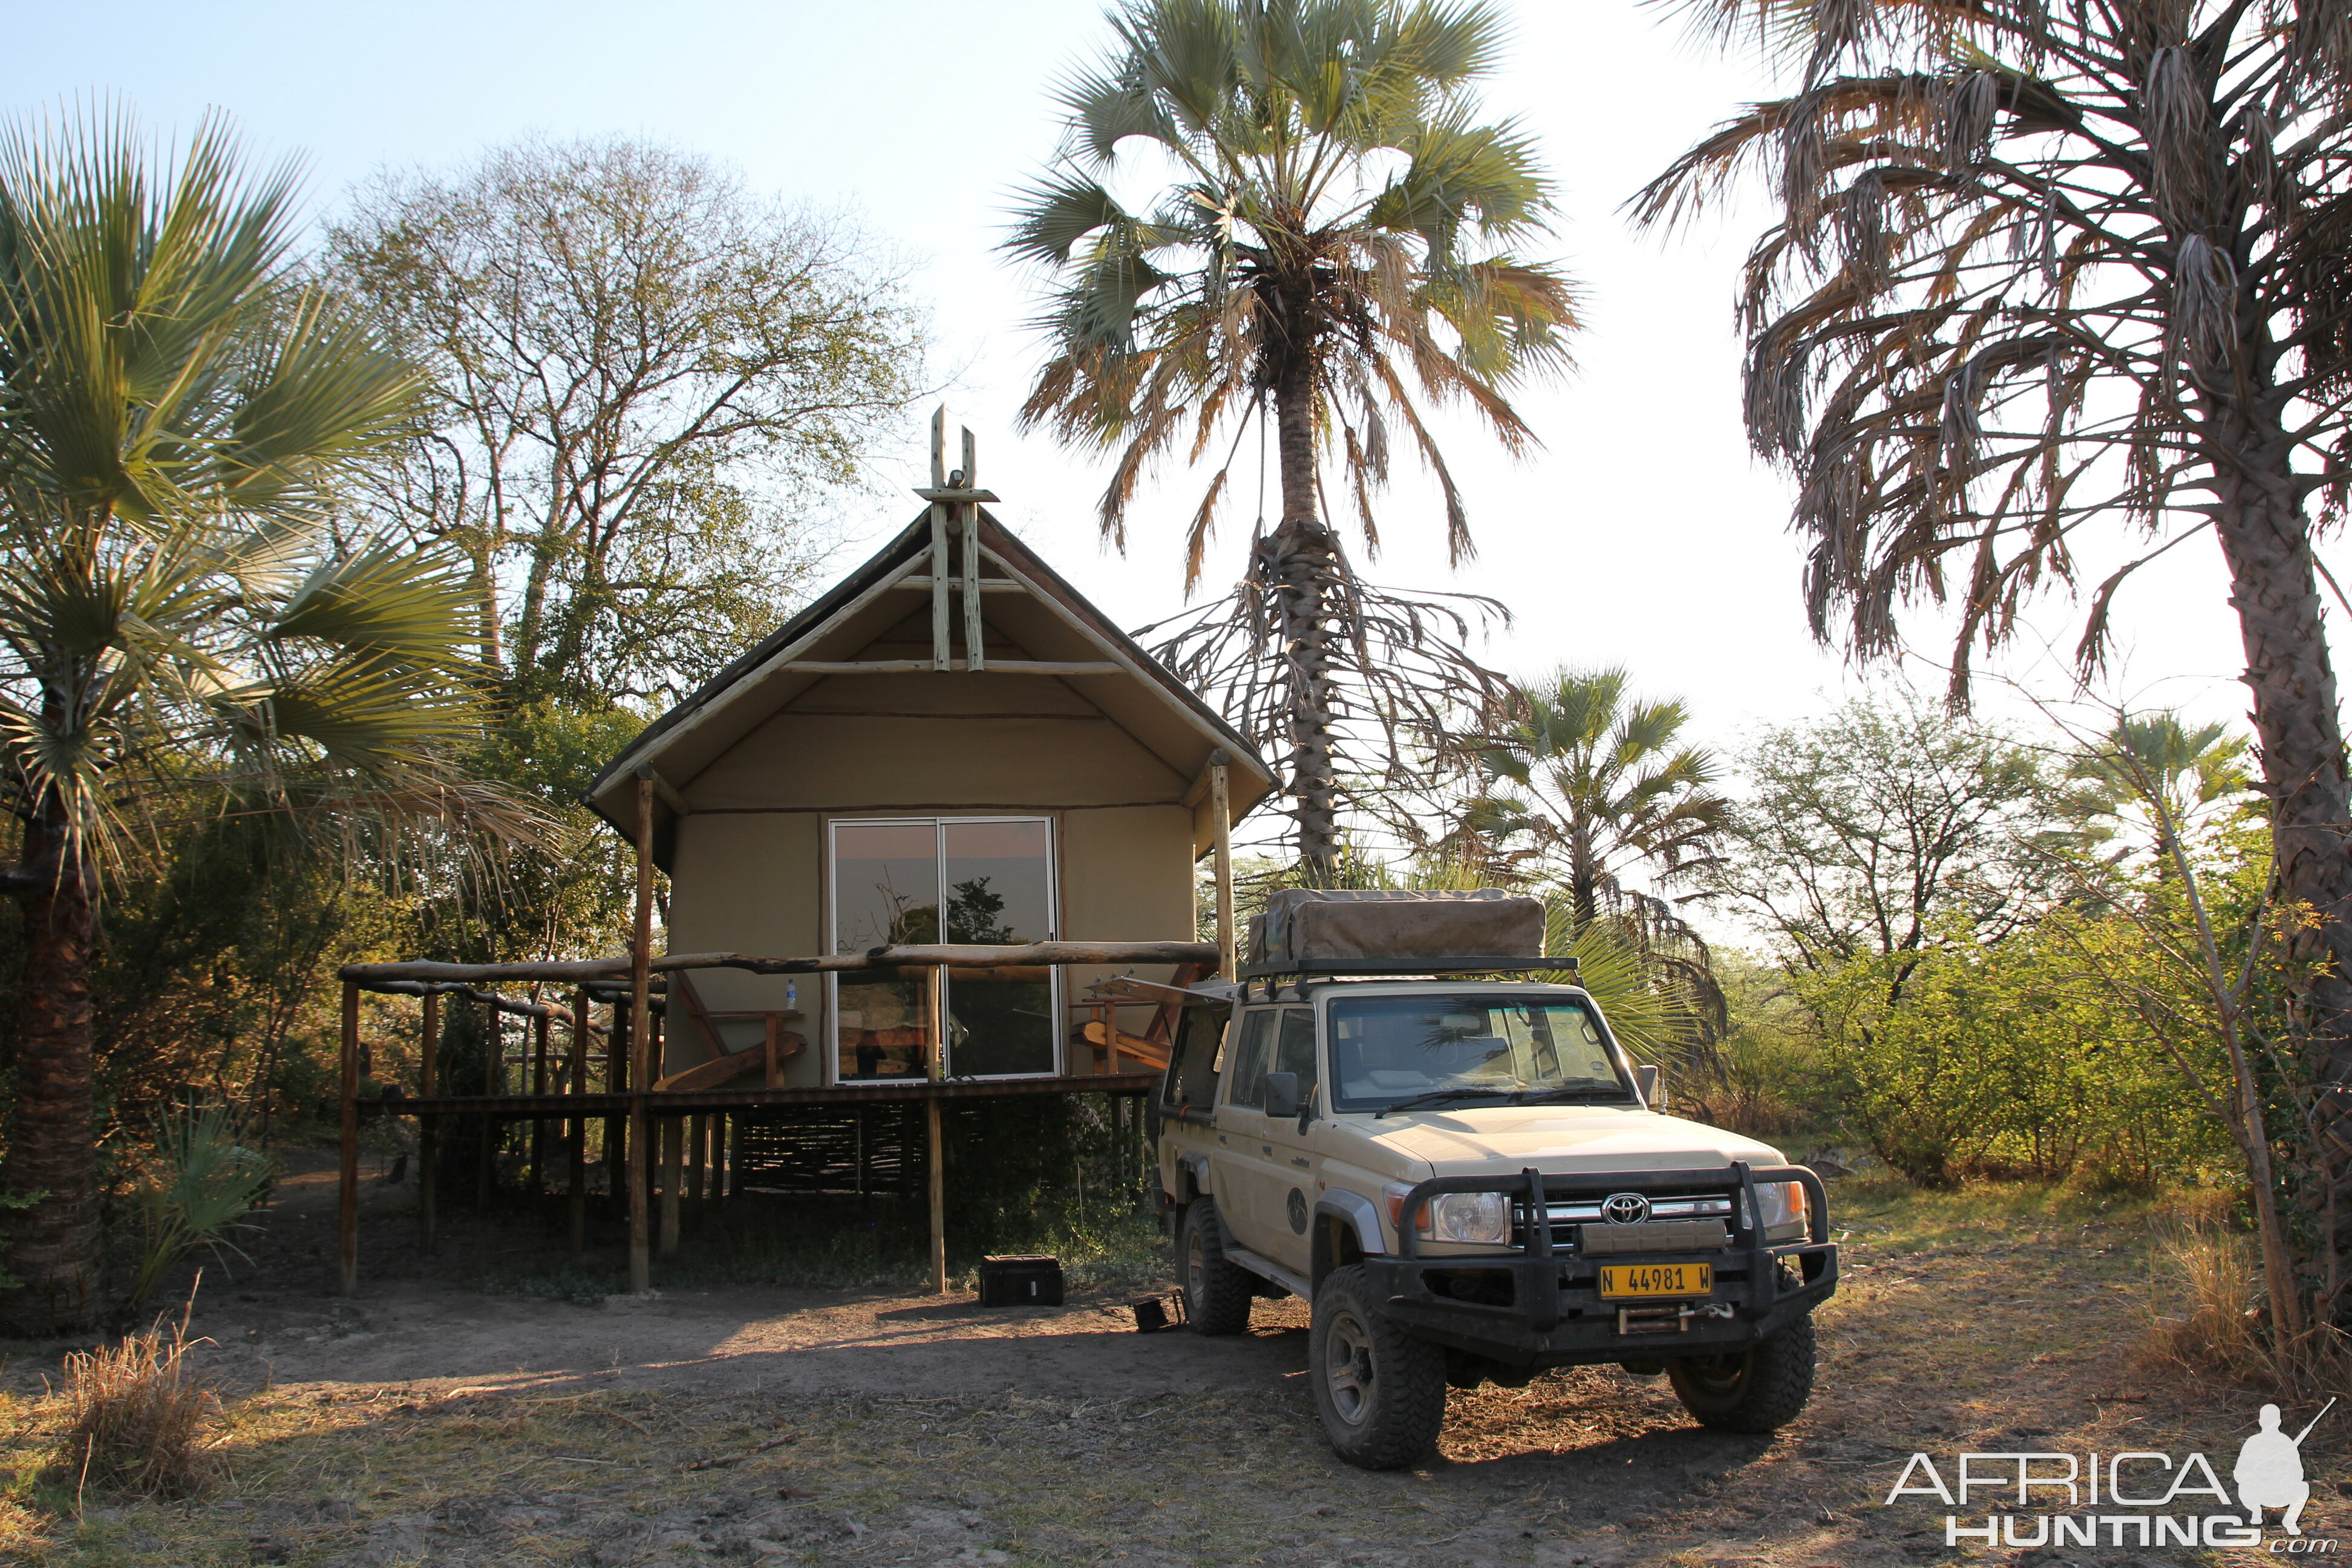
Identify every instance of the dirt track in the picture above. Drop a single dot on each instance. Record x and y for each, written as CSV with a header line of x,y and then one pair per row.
x,y
438,1426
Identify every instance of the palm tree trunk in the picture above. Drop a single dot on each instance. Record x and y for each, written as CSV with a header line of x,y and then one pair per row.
x,y
1302,559
53,1246
2266,542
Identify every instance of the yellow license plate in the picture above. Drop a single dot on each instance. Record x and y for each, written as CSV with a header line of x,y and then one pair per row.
x,y
1633,1281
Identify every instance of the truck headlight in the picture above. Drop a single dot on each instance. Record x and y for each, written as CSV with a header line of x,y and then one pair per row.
x,y
1785,1210
1483,1218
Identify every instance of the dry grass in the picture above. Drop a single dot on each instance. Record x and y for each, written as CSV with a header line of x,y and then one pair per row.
x,y
141,1417
2202,1303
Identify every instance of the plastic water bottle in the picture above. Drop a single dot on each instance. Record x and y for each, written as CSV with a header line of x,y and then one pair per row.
x,y
792,994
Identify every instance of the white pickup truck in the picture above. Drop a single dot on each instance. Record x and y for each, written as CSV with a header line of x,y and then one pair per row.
x,y
1460,1170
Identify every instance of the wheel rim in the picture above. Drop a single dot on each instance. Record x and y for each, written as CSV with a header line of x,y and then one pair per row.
x,y
1196,1268
1718,1374
1349,1377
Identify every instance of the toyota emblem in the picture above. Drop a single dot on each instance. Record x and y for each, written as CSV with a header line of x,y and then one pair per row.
x,y
1625,1208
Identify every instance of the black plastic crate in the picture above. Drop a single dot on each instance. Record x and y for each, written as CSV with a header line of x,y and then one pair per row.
x,y
1020,1282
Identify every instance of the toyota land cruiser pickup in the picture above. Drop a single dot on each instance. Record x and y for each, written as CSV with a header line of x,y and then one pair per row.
x,y
1466,1178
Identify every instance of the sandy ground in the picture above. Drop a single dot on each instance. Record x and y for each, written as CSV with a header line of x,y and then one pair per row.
x,y
420,1425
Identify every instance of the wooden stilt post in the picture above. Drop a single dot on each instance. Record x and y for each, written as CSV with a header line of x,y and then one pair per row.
x,y
1220,820
641,958
933,1057
576,1128
616,1081
494,1082
347,1209
698,1158
428,1128
673,1148
539,1123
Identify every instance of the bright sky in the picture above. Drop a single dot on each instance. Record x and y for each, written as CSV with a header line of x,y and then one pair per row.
x,y
1643,533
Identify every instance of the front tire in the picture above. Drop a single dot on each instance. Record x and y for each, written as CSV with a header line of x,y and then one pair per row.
x,y
1380,1392
1216,1294
1760,1389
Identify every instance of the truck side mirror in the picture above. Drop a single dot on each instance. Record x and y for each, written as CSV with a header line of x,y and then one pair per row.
x,y
1281,1094
1646,1077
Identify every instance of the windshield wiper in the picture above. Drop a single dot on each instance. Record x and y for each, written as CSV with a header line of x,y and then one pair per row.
x,y
1585,1091
1438,1096
1509,1096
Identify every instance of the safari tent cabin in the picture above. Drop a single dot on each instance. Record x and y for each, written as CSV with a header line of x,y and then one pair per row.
x,y
948,746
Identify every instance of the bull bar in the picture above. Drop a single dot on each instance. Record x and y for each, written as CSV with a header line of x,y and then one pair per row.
x,y
1556,1316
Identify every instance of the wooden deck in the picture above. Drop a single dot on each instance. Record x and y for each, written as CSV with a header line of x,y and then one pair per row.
x,y
540,1107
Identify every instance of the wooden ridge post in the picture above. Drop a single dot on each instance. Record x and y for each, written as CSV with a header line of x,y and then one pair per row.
x,y
641,958
975,634
933,1054
347,1208
576,1127
428,1128
943,655
1220,820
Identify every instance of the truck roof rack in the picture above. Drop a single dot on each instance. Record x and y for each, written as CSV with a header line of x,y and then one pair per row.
x,y
1304,968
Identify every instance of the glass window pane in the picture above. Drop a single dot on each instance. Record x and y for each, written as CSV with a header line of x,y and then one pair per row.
x,y
885,884
1296,1051
1248,1073
1200,1035
999,882
878,1024
999,890
999,1023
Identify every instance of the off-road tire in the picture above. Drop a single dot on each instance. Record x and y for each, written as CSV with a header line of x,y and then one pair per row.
x,y
1380,1392
1760,1389
1216,1294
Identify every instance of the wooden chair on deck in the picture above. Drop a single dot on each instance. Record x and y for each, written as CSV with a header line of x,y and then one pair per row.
x,y
725,1066
1150,1048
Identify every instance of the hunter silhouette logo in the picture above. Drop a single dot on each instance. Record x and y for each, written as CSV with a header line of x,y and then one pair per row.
x,y
2270,1470
2137,1497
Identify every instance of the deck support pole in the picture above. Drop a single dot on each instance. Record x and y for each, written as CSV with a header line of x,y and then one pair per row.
x,y
641,957
934,1034
428,1128
698,1159
1221,820
347,1208
616,1081
539,1123
673,1140
576,1128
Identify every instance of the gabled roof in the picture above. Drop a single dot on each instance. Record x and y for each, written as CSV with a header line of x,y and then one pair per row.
x,y
1031,603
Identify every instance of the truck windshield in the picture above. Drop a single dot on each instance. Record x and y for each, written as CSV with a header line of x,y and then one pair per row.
x,y
1386,1050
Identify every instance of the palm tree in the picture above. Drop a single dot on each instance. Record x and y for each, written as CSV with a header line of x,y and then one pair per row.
x,y
2175,777
184,633
2046,280
1604,784
1328,253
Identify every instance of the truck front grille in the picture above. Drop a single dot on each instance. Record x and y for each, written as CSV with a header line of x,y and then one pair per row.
x,y
1568,1212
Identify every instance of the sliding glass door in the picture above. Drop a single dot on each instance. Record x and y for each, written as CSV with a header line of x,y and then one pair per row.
x,y
982,880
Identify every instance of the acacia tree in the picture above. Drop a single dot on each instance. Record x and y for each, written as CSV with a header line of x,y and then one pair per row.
x,y
1327,253
1867,830
182,631
638,374
2042,267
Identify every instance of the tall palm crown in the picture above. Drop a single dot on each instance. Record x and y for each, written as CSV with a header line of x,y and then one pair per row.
x,y
1327,250
2048,273
179,624
1605,785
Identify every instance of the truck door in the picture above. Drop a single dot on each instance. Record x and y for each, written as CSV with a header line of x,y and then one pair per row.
x,y
1291,1163
1238,1161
